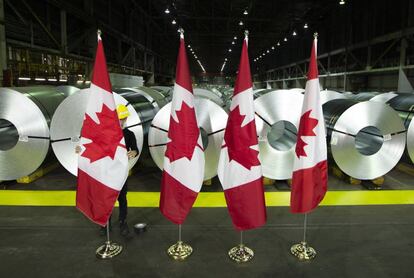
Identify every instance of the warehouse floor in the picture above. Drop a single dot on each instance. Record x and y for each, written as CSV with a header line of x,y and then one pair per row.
x,y
351,241
355,241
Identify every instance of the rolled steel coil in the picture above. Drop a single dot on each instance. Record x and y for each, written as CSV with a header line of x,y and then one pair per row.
x,y
365,139
210,95
404,105
327,95
277,121
384,97
25,115
67,90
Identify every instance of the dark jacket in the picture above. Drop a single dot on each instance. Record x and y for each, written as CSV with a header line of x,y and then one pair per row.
x,y
130,141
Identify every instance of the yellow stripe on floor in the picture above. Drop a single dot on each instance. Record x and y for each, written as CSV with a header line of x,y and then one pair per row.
x,y
210,199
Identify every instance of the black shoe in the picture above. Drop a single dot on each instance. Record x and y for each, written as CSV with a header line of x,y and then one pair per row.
x,y
123,226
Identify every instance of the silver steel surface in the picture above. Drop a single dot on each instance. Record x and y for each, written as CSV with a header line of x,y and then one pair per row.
x,y
404,105
212,120
327,95
277,121
385,97
207,94
25,113
67,90
365,139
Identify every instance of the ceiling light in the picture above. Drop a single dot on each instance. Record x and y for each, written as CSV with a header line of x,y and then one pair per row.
x,y
285,39
241,23
342,2
232,42
167,11
225,59
174,22
229,49
267,51
278,43
245,12
294,33
305,26
273,48
235,38
189,46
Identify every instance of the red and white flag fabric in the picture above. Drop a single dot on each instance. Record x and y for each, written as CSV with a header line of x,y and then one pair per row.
x,y
103,161
310,169
183,171
239,168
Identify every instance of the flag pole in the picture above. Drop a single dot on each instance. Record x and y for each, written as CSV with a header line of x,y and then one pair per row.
x,y
109,249
180,250
241,253
302,250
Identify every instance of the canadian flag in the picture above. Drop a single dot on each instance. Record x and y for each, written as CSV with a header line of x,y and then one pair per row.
x,y
183,172
103,161
239,168
310,174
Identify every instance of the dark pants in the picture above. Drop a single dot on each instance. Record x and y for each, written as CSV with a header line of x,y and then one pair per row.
x,y
123,204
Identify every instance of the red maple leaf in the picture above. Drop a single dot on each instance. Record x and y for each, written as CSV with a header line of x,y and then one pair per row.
x,y
105,135
239,139
306,126
183,134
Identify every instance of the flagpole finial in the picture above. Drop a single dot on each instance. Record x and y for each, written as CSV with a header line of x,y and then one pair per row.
x,y
246,34
315,35
98,33
181,31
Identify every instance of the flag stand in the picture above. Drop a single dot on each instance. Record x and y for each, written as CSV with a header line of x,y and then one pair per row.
x,y
180,250
241,253
301,250
109,249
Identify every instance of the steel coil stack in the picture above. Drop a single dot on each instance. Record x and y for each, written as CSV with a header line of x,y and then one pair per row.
x,y
25,115
366,139
212,121
277,121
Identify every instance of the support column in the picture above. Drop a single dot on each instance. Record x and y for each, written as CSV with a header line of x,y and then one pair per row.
x,y
404,85
3,49
63,33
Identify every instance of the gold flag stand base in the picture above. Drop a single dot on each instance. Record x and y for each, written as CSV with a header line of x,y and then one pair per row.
x,y
179,251
108,250
302,251
241,253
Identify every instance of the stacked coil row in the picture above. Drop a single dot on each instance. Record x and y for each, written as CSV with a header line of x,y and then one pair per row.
x,y
367,133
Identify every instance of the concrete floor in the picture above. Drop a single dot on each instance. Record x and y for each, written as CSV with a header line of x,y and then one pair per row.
x,y
365,241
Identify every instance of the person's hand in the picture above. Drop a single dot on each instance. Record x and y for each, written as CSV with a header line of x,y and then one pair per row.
x,y
131,154
78,149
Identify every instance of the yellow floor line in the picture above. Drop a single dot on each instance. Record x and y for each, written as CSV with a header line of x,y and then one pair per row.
x,y
210,199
